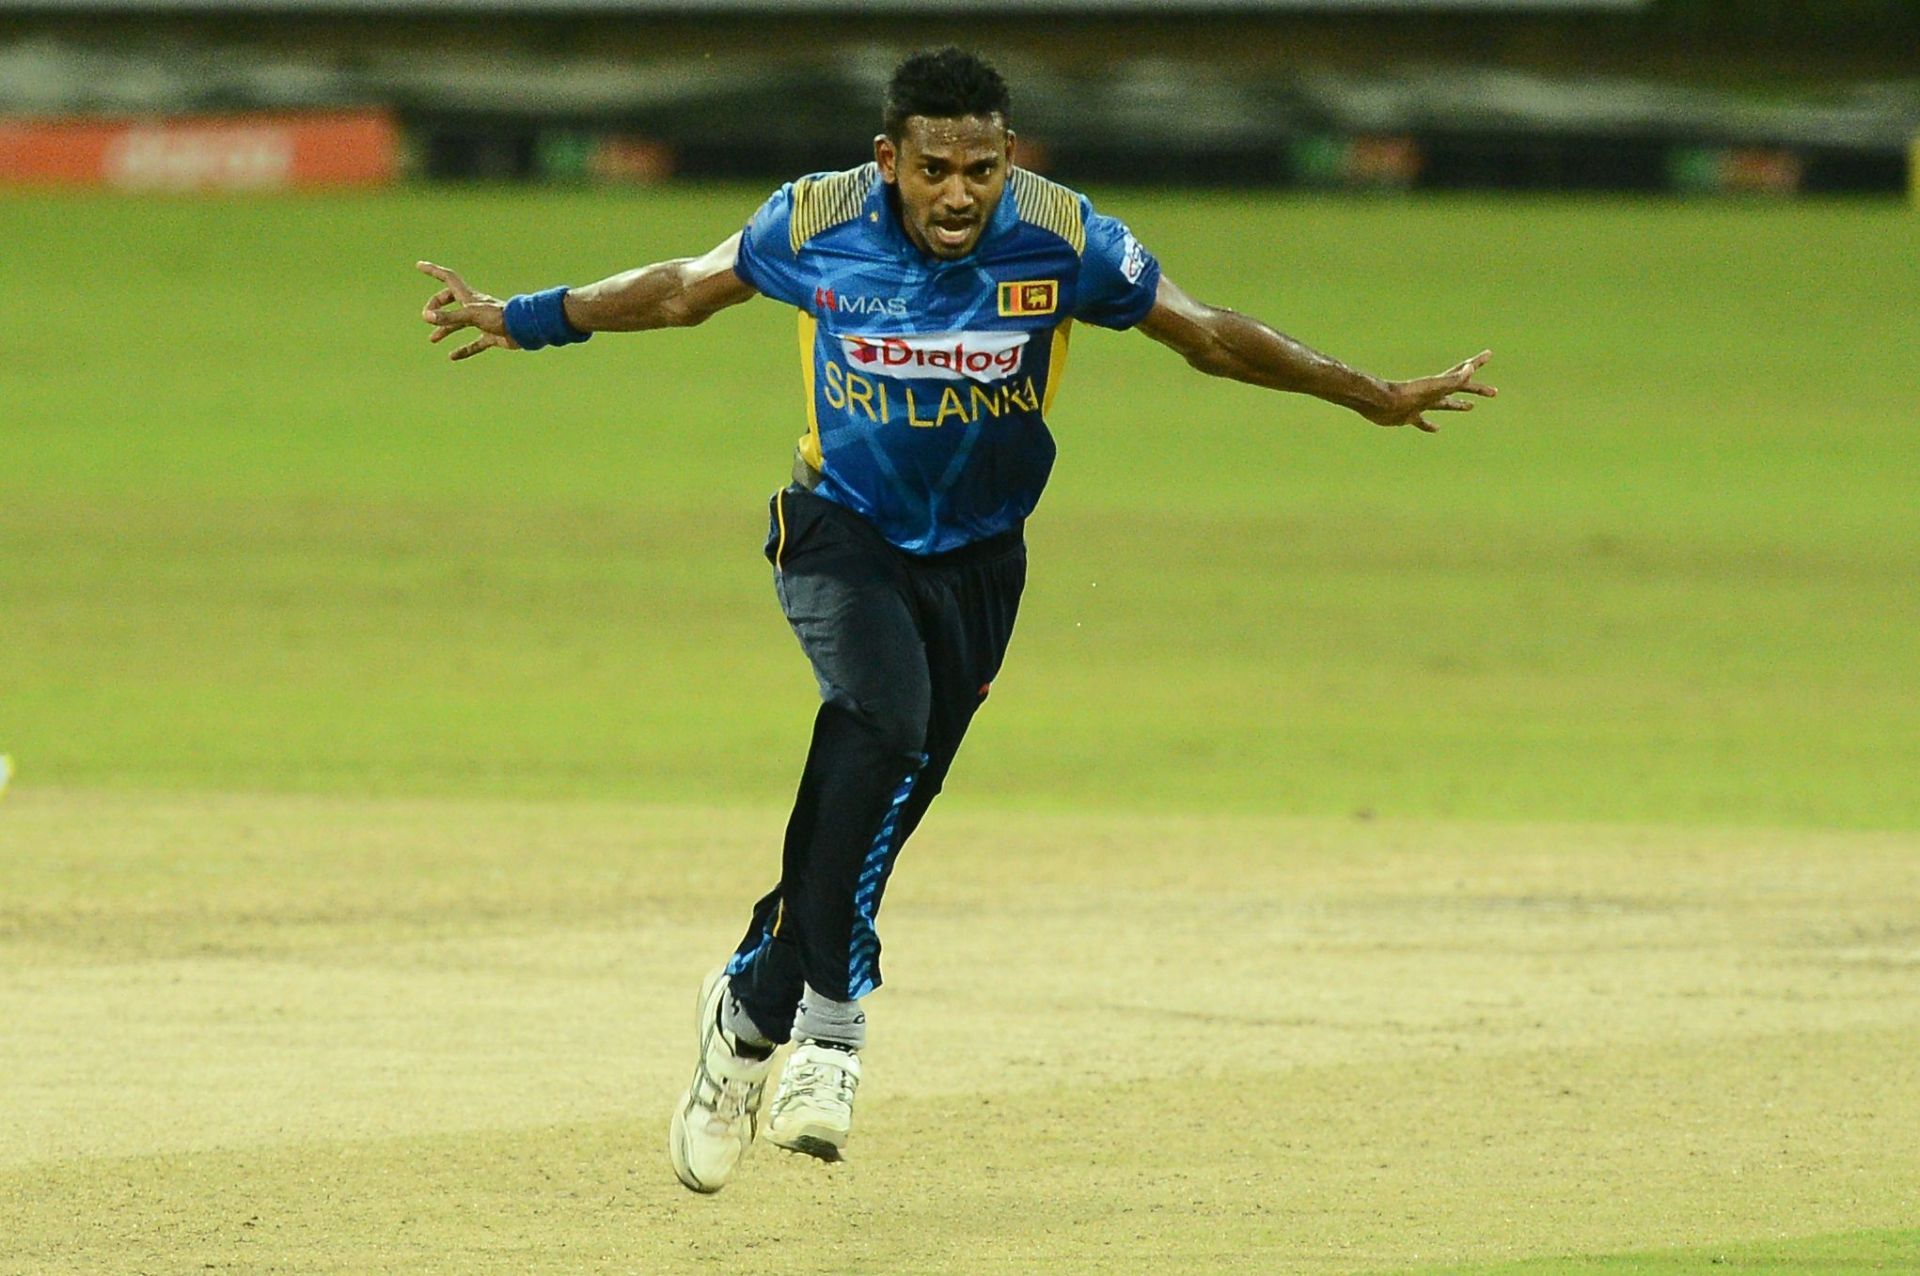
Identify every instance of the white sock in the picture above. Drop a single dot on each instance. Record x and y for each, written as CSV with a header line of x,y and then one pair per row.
x,y
830,1022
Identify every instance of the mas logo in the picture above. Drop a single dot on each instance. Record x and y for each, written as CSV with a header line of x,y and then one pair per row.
x,y
846,303
1029,297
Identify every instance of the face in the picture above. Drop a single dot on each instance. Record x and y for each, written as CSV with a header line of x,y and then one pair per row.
x,y
950,174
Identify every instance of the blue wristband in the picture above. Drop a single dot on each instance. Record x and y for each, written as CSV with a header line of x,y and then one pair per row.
x,y
537,320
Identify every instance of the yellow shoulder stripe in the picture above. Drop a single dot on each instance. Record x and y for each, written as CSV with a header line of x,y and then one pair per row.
x,y
1050,206
821,203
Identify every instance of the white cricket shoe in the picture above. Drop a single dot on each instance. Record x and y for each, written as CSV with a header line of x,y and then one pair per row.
x,y
813,1109
717,1118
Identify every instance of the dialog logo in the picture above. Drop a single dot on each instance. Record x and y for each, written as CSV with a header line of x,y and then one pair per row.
x,y
939,356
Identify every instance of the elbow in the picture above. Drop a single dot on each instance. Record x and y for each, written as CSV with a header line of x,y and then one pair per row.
x,y
1210,356
675,312
670,301
1210,347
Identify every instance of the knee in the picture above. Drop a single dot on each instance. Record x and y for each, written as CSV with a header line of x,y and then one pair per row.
x,y
897,724
901,733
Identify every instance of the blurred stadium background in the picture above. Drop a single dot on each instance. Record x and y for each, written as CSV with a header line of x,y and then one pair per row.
x,y
1495,853
1625,95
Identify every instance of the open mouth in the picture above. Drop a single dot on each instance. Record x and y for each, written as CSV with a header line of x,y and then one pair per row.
x,y
951,234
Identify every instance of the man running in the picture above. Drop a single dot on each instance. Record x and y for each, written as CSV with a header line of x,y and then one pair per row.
x,y
936,288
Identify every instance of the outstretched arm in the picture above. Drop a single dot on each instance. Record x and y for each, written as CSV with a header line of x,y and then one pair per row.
x,y
667,294
1225,343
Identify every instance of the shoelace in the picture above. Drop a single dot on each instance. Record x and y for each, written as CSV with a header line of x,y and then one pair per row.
x,y
731,1100
736,1099
819,1081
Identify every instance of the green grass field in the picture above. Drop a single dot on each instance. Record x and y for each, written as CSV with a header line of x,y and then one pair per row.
x,y
1493,853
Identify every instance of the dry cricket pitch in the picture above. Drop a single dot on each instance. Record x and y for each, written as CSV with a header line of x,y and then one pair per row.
x,y
274,1034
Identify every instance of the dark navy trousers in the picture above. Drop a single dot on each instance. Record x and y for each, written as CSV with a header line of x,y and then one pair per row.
x,y
904,648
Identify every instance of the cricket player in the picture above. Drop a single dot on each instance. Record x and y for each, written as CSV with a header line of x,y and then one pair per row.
x,y
937,289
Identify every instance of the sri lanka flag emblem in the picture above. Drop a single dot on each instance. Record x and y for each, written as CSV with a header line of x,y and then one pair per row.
x,y
1029,297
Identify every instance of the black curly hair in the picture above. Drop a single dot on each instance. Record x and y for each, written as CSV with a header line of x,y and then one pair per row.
x,y
944,84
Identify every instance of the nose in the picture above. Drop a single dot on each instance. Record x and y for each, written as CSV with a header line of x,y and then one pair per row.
x,y
955,195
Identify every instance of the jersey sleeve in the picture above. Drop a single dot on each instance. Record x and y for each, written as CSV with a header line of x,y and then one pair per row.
x,y
766,259
1118,276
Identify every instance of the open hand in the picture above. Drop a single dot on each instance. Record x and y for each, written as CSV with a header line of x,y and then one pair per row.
x,y
457,306
1410,401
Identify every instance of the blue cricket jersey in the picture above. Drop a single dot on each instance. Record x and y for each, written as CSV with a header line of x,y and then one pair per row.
x,y
927,380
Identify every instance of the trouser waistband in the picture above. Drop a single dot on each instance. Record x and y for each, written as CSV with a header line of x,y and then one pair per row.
x,y
807,478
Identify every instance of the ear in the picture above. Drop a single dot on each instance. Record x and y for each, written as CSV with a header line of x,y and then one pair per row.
x,y
1011,139
886,157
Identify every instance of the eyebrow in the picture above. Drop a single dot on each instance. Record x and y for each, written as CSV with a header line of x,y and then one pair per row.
x,y
933,157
